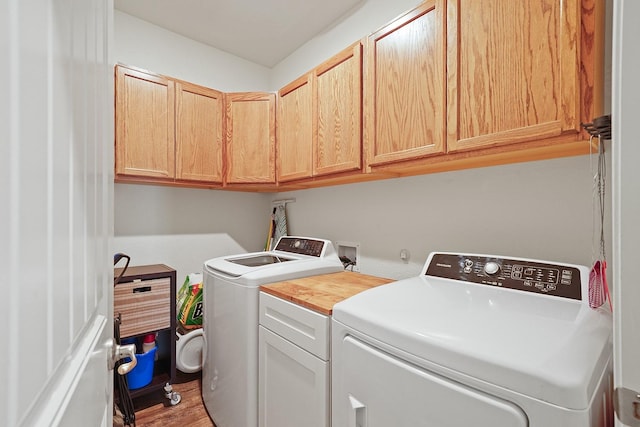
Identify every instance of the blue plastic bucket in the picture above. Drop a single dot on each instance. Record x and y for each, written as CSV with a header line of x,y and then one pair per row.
x,y
142,374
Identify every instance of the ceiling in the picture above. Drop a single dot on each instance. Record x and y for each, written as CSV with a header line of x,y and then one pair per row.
x,y
261,31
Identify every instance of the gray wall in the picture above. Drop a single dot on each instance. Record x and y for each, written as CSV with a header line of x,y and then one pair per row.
x,y
538,210
154,210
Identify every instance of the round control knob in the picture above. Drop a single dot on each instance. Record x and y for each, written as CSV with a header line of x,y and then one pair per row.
x,y
297,244
491,268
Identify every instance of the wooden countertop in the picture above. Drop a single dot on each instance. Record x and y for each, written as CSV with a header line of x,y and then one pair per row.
x,y
320,293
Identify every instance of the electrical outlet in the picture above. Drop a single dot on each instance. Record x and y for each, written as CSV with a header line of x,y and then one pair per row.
x,y
405,255
349,254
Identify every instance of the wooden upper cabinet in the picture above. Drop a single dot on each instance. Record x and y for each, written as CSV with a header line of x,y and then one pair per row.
x,y
319,119
405,87
295,130
338,113
144,124
451,84
199,133
250,138
513,71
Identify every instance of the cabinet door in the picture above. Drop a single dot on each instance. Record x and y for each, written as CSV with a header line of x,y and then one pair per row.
x,y
295,130
405,87
513,71
250,137
145,123
293,384
338,104
199,126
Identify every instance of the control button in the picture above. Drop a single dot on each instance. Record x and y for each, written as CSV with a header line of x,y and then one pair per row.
x,y
491,268
517,275
467,270
567,273
551,287
517,268
528,283
468,263
539,285
565,281
528,271
297,244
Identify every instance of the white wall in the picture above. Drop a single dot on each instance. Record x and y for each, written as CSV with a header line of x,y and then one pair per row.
x,y
150,47
148,218
368,17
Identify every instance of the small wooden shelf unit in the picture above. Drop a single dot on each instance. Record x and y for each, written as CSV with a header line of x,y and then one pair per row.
x,y
145,298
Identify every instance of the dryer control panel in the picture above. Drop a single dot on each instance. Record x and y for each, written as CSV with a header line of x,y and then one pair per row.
x,y
524,275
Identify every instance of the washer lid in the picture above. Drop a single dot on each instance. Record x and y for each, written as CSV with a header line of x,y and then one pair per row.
x,y
259,260
292,254
548,348
242,264
273,272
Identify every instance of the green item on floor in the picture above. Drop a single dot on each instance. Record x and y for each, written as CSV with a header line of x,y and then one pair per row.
x,y
189,302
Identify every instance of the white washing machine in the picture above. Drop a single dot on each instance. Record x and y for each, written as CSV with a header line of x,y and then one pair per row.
x,y
475,340
231,299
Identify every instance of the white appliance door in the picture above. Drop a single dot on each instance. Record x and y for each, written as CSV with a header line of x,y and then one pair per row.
x,y
294,384
377,389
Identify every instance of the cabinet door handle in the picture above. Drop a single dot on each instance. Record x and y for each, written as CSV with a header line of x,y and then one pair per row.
x,y
142,289
358,413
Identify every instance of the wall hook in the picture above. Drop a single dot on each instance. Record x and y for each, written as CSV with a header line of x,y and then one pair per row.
x,y
600,127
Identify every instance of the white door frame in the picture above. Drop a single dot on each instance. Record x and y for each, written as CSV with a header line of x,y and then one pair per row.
x,y
626,194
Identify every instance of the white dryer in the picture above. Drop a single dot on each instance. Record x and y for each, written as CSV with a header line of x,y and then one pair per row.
x,y
474,340
230,321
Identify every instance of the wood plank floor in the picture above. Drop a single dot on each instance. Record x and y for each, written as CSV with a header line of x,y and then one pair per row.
x,y
154,410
